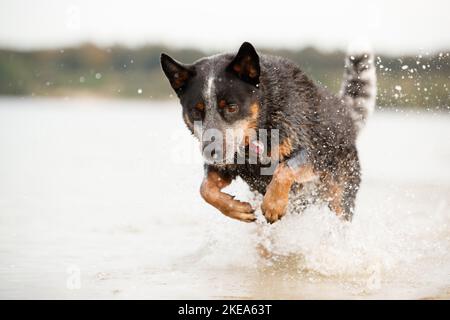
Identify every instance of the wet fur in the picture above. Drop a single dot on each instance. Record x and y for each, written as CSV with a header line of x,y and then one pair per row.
x,y
308,117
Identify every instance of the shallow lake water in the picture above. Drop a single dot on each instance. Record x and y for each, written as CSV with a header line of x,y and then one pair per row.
x,y
99,199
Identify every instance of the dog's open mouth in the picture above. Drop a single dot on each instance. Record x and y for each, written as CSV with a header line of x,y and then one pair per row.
x,y
252,151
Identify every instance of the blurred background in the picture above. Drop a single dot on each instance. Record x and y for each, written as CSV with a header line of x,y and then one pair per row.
x,y
82,48
99,177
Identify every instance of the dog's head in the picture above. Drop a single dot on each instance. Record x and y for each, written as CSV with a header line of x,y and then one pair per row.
x,y
219,96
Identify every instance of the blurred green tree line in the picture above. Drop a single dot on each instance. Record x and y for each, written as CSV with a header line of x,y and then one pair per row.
x,y
421,80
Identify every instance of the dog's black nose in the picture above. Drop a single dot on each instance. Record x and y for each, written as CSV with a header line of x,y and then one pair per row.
x,y
212,152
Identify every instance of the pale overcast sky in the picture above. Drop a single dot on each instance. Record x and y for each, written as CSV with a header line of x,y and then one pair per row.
x,y
391,25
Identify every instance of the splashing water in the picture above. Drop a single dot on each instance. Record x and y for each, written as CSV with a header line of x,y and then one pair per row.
x,y
385,246
91,186
398,244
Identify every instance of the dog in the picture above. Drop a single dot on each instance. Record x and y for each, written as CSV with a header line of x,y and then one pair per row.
x,y
317,130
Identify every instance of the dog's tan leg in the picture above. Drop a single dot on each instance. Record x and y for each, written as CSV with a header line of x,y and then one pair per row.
x,y
334,195
210,190
335,198
277,194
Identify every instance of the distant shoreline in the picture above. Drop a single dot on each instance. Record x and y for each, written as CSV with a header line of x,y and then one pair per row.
x,y
120,72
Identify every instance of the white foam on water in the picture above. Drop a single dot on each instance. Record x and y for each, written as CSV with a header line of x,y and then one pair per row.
x,y
387,244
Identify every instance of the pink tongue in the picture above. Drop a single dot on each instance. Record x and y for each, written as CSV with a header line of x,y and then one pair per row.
x,y
257,147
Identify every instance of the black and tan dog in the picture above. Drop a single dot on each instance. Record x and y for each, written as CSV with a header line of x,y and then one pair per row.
x,y
317,130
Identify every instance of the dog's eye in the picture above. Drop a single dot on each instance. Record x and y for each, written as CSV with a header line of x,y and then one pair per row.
x,y
232,108
200,106
198,111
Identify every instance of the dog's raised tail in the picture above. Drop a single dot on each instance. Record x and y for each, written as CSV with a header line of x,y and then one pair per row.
x,y
359,87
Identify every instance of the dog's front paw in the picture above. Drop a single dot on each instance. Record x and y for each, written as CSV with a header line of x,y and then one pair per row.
x,y
239,210
273,209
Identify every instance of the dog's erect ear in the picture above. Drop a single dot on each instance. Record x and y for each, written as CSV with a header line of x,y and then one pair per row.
x,y
177,73
246,64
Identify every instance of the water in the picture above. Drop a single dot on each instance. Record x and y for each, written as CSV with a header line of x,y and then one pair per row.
x,y
99,199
